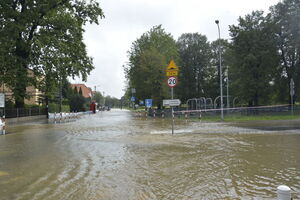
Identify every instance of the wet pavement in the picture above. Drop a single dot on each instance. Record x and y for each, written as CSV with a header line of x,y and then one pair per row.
x,y
116,155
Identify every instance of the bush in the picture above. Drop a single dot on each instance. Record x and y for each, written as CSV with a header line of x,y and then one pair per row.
x,y
77,103
53,107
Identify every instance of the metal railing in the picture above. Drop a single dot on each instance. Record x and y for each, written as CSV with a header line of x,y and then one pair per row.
x,y
23,112
238,111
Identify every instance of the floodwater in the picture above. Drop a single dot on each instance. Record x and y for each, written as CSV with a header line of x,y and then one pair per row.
x,y
117,156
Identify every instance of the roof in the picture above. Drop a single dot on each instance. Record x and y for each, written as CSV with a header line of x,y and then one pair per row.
x,y
86,91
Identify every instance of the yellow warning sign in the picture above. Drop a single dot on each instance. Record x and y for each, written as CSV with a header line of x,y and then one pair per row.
x,y
172,73
172,66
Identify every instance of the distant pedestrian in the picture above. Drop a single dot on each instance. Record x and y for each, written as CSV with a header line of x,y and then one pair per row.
x,y
93,107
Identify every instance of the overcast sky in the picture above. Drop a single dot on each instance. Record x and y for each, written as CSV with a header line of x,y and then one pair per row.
x,y
127,20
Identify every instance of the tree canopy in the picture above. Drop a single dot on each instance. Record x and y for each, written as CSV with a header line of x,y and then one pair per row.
x,y
148,58
195,55
254,58
286,16
45,37
260,59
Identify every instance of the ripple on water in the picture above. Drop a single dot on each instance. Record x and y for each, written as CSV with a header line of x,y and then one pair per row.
x,y
114,157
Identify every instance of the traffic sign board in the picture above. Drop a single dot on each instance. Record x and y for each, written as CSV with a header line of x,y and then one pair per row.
x,y
172,69
2,100
171,102
172,73
172,81
172,66
148,103
292,87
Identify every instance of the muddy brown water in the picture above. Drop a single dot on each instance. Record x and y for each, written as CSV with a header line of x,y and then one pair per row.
x,y
115,155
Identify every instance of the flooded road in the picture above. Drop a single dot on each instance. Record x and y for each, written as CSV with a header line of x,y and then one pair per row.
x,y
115,155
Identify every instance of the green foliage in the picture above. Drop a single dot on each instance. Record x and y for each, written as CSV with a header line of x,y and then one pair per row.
x,y
195,69
74,99
54,107
47,38
262,57
242,118
98,98
286,17
254,58
75,90
213,83
9,104
148,59
77,103
112,102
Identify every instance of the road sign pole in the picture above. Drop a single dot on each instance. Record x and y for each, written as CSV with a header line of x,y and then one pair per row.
x,y
172,73
292,92
172,96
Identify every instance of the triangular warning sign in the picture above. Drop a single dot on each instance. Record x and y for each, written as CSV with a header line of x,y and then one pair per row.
x,y
172,66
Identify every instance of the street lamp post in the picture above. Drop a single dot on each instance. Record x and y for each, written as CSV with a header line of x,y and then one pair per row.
x,y
103,98
94,95
227,84
221,84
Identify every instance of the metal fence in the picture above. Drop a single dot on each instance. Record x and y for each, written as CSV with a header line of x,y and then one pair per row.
x,y
241,111
246,111
22,112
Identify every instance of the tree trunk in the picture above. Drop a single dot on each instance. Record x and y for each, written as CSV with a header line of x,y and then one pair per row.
x,y
21,82
19,91
47,106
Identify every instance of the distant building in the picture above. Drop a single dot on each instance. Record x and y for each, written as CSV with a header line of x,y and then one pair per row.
x,y
86,91
34,95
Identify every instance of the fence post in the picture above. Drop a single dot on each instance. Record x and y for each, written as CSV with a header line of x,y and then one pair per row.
x,y
3,125
17,112
29,111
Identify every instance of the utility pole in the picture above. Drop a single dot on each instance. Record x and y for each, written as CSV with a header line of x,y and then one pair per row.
x,y
95,93
60,96
292,93
227,84
103,98
221,84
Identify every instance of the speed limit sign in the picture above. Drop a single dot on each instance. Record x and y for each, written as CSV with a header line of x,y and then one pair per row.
x,y
172,81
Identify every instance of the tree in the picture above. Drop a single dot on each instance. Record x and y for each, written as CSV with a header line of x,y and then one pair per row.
x,y
254,58
148,59
46,38
98,97
213,84
112,101
195,55
77,103
80,91
286,16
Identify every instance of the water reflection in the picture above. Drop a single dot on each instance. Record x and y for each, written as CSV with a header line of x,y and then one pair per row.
x,y
114,155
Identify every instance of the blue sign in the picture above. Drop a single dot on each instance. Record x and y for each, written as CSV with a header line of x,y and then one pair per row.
x,y
141,102
148,103
132,99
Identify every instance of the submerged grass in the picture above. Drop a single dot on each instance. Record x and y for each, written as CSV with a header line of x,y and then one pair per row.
x,y
234,118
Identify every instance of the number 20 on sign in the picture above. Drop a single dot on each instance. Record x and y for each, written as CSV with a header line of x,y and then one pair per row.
x,y
172,81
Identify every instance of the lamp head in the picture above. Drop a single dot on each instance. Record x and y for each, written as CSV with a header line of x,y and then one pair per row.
x,y
217,21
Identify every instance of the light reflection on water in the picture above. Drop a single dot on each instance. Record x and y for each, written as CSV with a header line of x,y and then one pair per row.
x,y
113,155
